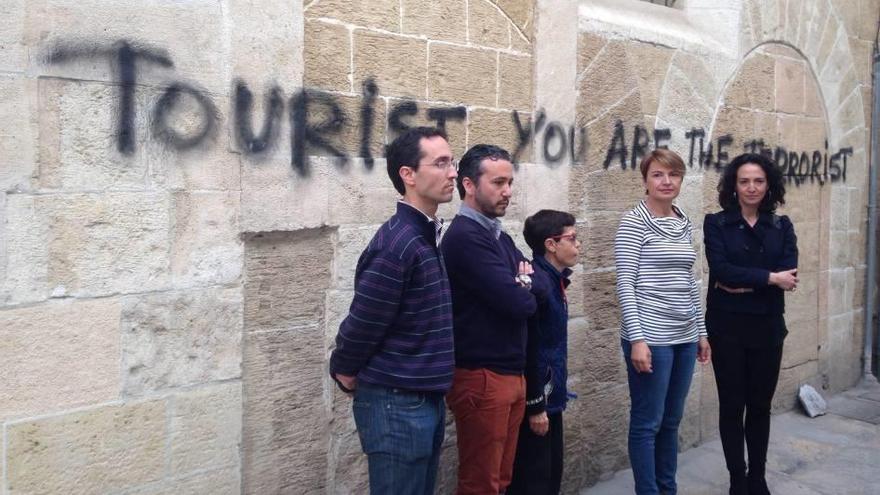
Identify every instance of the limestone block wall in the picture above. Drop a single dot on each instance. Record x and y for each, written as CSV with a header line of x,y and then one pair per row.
x,y
187,187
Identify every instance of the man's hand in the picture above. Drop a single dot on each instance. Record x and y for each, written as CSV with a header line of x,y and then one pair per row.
x,y
347,381
640,355
523,276
539,423
704,351
785,280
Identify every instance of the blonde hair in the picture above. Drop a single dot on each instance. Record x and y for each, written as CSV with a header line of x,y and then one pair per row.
x,y
662,157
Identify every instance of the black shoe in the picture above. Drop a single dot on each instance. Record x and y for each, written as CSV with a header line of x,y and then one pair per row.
x,y
739,484
758,485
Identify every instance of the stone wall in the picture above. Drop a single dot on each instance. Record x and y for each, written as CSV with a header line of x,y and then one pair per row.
x,y
187,187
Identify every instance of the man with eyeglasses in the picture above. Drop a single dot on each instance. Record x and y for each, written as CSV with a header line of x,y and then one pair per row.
x,y
394,350
493,296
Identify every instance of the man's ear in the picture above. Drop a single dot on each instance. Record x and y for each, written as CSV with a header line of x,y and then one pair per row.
x,y
469,186
407,174
548,244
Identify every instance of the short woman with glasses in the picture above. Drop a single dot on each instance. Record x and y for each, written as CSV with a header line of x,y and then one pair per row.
x,y
753,257
662,331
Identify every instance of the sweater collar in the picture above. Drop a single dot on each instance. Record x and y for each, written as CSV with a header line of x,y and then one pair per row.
x,y
493,225
429,227
558,276
670,230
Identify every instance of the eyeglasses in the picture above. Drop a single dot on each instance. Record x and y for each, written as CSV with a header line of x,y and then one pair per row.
x,y
572,237
445,163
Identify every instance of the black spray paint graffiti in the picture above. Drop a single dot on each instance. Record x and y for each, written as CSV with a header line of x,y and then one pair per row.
x,y
797,168
559,143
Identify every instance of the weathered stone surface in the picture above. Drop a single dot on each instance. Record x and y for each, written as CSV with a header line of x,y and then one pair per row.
x,y
598,445
499,128
12,50
754,84
813,104
600,299
251,56
275,197
348,139
790,379
681,105
515,82
520,12
589,46
653,62
708,403
108,243
58,355
601,227
802,343
205,428
382,14
87,452
178,339
544,186
286,276
16,147
609,80
25,257
443,21
361,196
595,360
73,24
789,86
601,134
77,147
456,130
224,481
488,26
205,245
389,59
462,75
350,242
327,56
609,190
841,339
830,35
285,429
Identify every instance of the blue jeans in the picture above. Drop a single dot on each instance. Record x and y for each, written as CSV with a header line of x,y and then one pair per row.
x,y
658,400
401,432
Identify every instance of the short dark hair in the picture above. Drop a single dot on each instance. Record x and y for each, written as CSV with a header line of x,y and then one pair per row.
x,y
469,165
406,151
664,157
545,224
775,187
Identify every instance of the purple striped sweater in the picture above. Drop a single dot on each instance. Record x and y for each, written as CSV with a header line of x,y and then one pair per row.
x,y
398,332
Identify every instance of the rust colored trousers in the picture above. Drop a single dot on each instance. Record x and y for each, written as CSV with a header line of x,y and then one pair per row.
x,y
488,409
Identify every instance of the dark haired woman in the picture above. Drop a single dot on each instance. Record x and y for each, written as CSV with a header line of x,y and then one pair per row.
x,y
752,254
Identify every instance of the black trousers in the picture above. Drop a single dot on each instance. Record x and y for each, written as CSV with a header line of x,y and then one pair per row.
x,y
746,379
537,468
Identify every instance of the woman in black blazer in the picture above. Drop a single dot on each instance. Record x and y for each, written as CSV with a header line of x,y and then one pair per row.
x,y
752,254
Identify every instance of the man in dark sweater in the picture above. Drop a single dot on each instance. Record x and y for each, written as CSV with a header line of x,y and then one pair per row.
x,y
493,296
394,351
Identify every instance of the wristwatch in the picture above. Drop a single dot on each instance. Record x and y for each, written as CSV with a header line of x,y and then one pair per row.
x,y
524,280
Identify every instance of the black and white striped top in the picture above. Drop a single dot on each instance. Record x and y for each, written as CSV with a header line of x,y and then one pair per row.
x,y
658,294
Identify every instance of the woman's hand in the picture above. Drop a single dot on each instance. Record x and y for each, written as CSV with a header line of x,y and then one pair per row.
x,y
704,350
640,355
539,423
785,280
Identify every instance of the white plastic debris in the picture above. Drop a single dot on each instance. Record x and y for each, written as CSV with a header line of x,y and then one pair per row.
x,y
813,403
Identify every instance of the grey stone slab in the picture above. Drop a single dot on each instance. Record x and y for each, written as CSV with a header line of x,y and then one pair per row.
x,y
862,410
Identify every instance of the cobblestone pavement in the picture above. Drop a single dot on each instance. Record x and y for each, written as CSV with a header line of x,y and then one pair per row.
x,y
834,454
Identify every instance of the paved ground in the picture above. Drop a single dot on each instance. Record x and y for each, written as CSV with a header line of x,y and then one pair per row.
x,y
834,454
